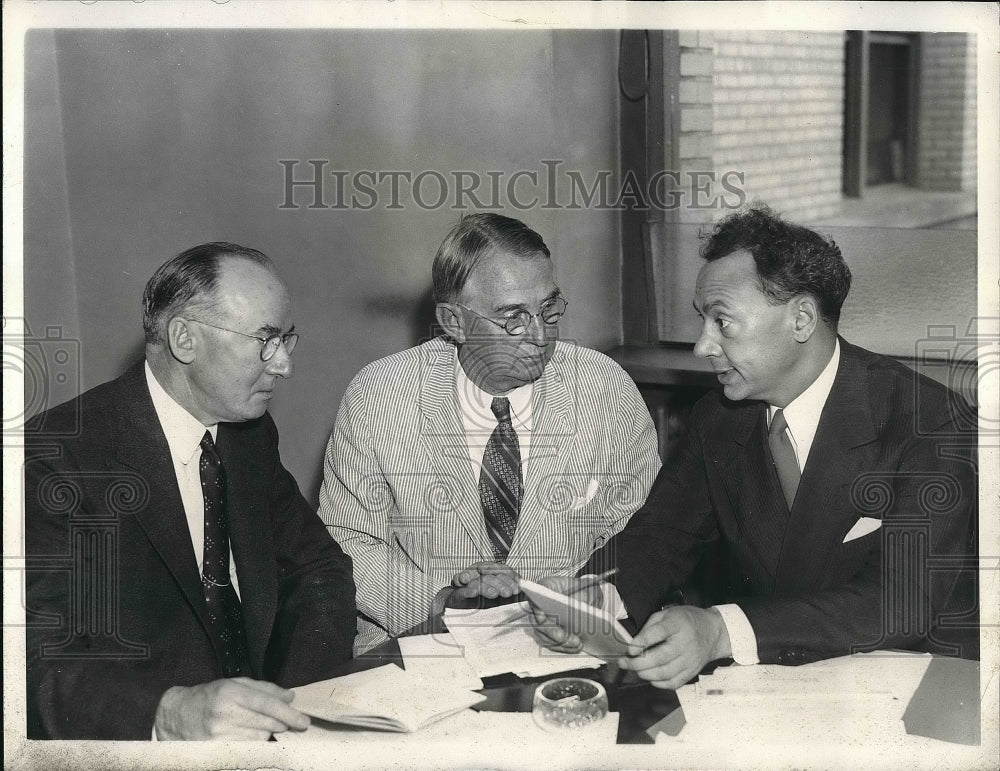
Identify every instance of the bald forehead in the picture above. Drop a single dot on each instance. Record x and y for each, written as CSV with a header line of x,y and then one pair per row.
x,y
499,273
238,264
253,293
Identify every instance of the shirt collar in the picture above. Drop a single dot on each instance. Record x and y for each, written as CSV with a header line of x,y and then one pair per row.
x,y
802,413
183,430
474,402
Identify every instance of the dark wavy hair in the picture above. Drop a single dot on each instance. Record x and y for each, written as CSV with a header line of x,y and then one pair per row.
x,y
189,279
475,236
790,259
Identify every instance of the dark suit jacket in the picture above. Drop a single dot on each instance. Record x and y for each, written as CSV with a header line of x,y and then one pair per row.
x,y
116,610
890,445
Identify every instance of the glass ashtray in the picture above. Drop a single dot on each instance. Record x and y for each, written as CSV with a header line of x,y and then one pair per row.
x,y
568,703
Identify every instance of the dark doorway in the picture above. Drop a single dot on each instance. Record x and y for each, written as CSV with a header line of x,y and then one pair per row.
x,y
888,113
881,74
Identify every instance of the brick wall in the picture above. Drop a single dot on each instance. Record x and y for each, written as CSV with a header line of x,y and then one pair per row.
x,y
947,151
778,114
695,141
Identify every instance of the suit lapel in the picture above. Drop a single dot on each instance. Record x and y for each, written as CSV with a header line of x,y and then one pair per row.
x,y
752,487
250,537
552,436
142,446
835,460
442,435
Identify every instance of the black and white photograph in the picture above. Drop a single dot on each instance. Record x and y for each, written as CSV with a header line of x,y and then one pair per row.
x,y
501,385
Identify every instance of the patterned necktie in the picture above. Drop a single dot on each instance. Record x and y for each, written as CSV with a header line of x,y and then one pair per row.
x,y
225,616
500,486
783,455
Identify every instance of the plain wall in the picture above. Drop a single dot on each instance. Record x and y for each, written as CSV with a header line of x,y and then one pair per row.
x,y
141,143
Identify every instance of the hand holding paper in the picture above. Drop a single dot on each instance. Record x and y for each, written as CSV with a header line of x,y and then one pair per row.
x,y
676,644
568,616
236,708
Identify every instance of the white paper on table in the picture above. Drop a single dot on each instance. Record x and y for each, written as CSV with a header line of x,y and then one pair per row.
x,y
438,657
850,699
494,641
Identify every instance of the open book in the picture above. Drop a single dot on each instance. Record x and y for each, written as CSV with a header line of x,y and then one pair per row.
x,y
385,698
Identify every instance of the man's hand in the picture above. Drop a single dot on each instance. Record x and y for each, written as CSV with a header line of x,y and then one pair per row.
x,y
485,579
546,630
676,644
239,708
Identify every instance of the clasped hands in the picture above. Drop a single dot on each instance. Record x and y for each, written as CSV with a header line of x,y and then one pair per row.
x,y
672,647
484,579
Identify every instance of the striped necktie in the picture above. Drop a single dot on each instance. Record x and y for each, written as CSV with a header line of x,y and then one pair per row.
x,y
500,484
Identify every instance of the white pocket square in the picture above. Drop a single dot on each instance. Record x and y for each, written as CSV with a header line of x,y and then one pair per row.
x,y
587,497
863,527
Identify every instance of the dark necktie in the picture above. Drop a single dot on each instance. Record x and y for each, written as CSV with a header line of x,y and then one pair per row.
x,y
500,486
783,455
225,616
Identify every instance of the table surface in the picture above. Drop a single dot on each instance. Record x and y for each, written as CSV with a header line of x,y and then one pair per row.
x,y
638,704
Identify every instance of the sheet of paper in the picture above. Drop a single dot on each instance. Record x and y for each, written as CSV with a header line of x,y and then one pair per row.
x,y
849,699
946,705
601,633
438,657
498,640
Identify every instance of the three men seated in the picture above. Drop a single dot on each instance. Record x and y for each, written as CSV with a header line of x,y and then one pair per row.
x,y
491,453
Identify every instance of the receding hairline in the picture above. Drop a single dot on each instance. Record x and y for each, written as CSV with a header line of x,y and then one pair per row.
x,y
495,252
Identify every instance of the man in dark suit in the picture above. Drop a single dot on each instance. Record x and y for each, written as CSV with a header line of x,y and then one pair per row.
x,y
840,486
177,578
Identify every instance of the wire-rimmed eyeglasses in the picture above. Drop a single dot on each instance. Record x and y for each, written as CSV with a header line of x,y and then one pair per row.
x,y
518,322
268,345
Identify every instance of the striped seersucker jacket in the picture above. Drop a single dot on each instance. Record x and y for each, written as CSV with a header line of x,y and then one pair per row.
x,y
400,492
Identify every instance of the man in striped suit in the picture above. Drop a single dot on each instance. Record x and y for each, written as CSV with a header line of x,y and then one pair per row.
x,y
493,452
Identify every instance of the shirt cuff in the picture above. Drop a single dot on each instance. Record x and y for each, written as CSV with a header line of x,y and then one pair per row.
x,y
440,601
742,640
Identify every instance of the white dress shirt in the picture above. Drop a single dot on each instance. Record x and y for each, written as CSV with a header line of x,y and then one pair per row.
x,y
479,421
802,415
184,433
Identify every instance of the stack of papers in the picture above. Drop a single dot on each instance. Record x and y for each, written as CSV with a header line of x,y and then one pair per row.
x,y
851,699
498,640
385,698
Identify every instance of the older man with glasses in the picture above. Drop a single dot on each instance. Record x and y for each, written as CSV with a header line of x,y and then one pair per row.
x,y
492,452
202,583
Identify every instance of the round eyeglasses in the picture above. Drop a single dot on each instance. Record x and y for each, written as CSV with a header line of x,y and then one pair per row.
x,y
268,345
518,322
